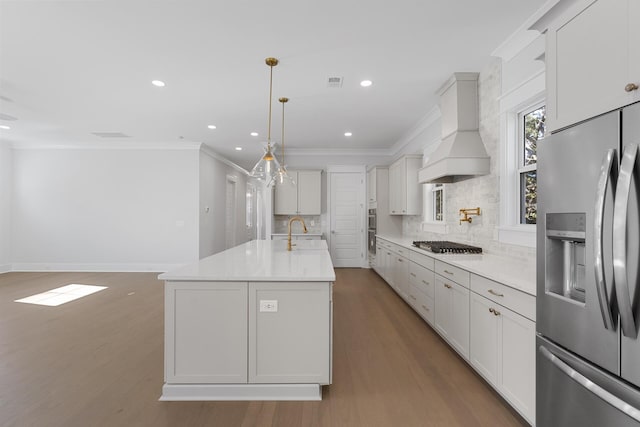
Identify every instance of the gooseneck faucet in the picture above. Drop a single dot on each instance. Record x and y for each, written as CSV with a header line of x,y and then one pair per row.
x,y
304,227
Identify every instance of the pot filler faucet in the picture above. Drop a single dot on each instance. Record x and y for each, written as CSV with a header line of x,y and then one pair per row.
x,y
304,226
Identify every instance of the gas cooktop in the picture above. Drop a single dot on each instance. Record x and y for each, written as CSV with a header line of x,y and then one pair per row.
x,y
444,246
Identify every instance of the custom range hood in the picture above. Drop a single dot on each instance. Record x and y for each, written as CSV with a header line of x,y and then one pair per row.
x,y
461,152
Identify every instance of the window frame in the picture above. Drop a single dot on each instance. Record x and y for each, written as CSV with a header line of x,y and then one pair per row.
x,y
521,168
521,99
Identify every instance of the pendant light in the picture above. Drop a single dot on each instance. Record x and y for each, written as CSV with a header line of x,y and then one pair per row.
x,y
268,166
282,175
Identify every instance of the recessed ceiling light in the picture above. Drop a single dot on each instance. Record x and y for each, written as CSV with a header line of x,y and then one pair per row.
x,y
366,83
254,133
5,127
158,83
348,134
212,126
238,148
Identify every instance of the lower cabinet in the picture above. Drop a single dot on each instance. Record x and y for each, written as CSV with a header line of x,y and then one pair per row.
x,y
256,332
502,349
400,275
452,314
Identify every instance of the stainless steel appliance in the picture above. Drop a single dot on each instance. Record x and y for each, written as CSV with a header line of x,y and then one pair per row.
x,y
372,219
372,232
445,247
588,295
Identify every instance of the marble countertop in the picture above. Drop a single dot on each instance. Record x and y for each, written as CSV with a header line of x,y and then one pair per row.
x,y
297,234
262,260
511,272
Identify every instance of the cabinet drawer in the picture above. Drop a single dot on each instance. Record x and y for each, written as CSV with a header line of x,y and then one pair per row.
x,y
422,304
422,259
450,272
421,278
515,300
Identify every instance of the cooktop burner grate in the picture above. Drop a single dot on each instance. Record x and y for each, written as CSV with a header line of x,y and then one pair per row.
x,y
444,246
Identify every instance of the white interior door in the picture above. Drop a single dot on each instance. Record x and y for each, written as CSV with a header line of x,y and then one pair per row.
x,y
347,218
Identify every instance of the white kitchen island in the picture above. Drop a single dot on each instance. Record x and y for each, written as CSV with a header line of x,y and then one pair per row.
x,y
251,323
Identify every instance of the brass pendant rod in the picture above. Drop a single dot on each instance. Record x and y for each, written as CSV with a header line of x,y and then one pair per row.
x,y
271,62
283,100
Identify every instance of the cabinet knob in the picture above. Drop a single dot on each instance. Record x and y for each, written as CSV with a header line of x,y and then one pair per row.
x,y
631,87
447,286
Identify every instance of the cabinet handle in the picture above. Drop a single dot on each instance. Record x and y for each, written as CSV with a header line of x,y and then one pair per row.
x,y
425,282
494,311
447,286
631,87
413,274
492,292
425,307
413,297
448,272
399,259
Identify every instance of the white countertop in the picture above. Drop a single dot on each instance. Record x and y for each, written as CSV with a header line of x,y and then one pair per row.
x,y
297,234
509,271
262,260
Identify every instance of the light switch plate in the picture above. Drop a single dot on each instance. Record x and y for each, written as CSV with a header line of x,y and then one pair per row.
x,y
268,306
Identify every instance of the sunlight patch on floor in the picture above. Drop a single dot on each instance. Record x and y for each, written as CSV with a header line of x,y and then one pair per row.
x,y
62,295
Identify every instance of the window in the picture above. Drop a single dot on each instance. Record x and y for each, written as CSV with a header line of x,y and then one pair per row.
x,y
437,202
532,128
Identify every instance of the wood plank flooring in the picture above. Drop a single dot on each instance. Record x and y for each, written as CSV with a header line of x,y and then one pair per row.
x,y
98,361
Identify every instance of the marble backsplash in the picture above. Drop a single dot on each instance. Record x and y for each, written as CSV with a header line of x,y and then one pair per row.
x,y
313,223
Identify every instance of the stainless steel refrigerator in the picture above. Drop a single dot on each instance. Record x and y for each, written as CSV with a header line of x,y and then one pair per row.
x,y
588,259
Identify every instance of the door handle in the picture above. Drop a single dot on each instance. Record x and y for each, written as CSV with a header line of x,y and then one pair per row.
x,y
621,204
594,388
608,167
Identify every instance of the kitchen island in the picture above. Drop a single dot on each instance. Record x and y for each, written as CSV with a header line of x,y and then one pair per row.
x,y
253,322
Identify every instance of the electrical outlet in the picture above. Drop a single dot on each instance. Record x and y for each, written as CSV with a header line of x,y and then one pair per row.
x,y
269,306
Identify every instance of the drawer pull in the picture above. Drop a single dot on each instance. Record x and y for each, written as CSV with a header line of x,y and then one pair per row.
x,y
492,292
412,297
399,259
494,311
448,272
425,282
447,286
423,306
413,274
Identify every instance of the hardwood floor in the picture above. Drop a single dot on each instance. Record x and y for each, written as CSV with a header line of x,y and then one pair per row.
x,y
98,361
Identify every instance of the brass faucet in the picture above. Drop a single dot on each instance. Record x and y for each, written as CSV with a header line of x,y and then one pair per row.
x,y
467,213
304,226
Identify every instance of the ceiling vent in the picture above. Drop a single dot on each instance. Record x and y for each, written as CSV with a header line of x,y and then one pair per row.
x,y
334,82
110,134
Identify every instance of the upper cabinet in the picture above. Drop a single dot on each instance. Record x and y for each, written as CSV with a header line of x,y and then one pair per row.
x,y
371,188
405,194
592,60
303,198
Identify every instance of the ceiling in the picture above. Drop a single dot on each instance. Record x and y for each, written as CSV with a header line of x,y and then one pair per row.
x,y
72,68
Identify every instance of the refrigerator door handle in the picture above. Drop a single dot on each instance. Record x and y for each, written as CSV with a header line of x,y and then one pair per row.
x,y
594,388
627,166
601,194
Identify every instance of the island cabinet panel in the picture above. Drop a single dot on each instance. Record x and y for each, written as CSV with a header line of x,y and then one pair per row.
x,y
205,340
292,343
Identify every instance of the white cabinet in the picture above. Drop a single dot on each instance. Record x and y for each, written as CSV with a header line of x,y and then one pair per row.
x,y
401,275
292,344
199,317
301,198
502,345
422,288
452,314
296,237
216,333
592,56
405,194
372,188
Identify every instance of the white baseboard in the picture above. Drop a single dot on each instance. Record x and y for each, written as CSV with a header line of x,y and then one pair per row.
x,y
5,268
195,392
57,267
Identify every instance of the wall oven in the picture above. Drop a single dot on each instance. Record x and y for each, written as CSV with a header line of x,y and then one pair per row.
x,y
372,219
371,232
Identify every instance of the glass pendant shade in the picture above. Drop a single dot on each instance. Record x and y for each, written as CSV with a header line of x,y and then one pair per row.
x,y
267,167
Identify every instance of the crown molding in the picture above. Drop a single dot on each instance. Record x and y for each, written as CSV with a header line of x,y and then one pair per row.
x,y
524,35
113,145
427,120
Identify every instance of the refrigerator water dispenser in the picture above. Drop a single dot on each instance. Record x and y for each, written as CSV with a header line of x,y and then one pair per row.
x,y
565,255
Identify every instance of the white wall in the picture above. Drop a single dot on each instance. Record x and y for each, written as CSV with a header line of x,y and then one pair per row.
x,y
104,209
6,179
213,178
